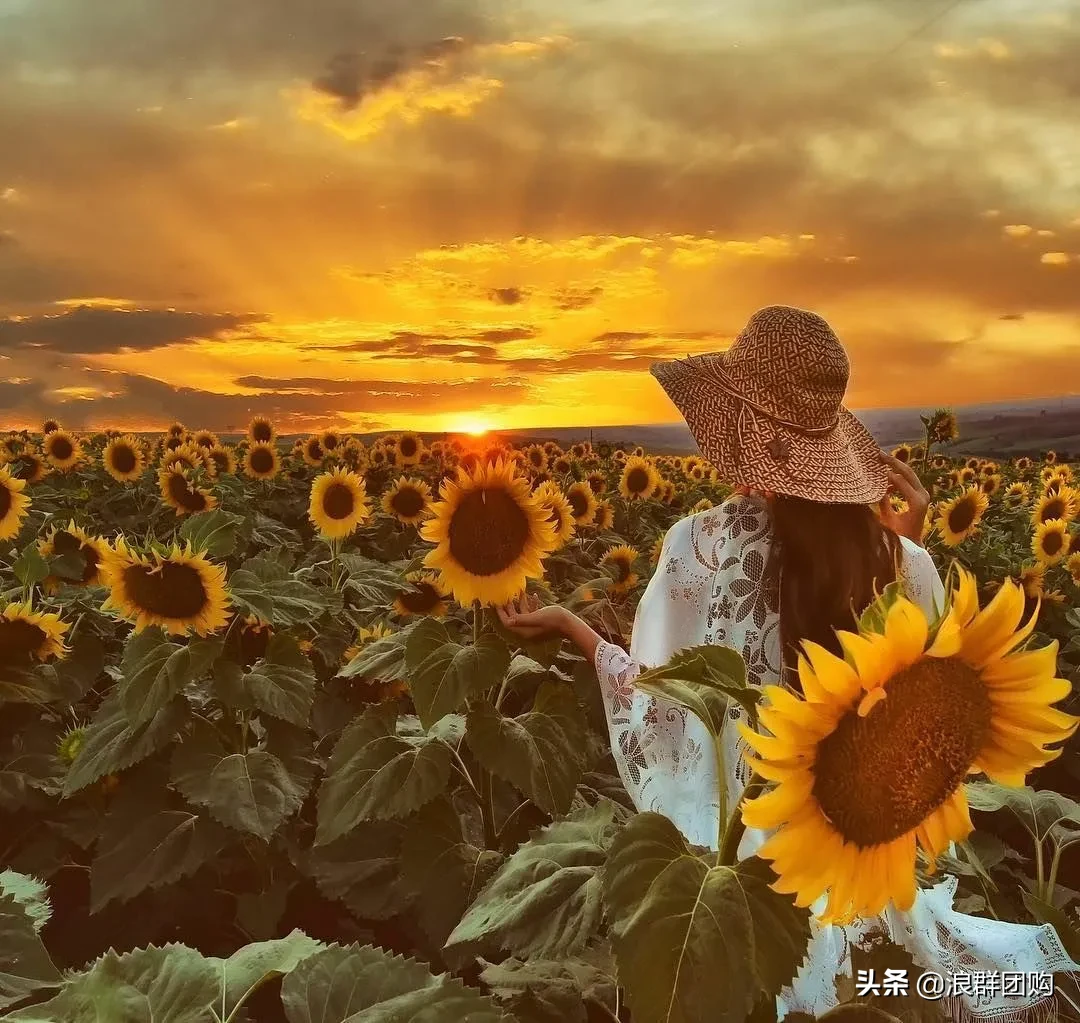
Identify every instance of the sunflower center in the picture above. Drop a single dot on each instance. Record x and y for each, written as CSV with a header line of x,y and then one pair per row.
x,y
879,776
407,501
187,497
1053,509
260,432
338,501
961,515
19,639
170,590
314,449
622,570
488,532
423,598
123,458
5,502
61,448
407,446
537,458
578,503
330,442
637,480
262,460
1052,542
67,543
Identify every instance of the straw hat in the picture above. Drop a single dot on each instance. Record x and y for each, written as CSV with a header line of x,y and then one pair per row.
x,y
769,413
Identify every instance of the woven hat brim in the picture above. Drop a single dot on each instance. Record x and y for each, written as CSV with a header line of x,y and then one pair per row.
x,y
841,467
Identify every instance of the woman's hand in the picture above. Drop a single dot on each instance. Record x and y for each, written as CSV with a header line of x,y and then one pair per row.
x,y
527,619
904,482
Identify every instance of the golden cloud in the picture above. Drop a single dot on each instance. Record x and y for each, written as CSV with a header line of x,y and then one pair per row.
x,y
1055,258
1017,230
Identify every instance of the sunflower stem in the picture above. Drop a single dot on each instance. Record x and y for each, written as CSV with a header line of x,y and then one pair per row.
x,y
487,810
1040,868
1051,881
736,828
477,621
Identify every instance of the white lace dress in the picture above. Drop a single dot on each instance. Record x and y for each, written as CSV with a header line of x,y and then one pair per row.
x,y
709,587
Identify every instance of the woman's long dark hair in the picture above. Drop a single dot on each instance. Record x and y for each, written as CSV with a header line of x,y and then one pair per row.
x,y
828,563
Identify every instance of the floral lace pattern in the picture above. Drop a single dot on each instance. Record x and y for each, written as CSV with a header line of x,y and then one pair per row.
x,y
712,586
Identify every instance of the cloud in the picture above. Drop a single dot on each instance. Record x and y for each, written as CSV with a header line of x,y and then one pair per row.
x,y
92,329
410,343
507,296
1055,258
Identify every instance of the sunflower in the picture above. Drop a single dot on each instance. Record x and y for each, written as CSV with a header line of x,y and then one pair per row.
x,y
622,559
27,466
338,503
918,452
205,439
377,456
902,453
491,534
639,478
1032,580
26,634
73,542
179,590
638,452
408,448
171,443
967,475
990,484
313,451
939,462
14,504
959,517
1051,541
605,516
124,459
407,501
560,513
180,494
1016,495
1072,566
942,426
1050,458
261,431
870,762
330,440
48,426
425,595
562,465
261,461
254,639
186,456
61,449
582,502
657,549
1023,463
1062,505
178,430
222,459
577,450
364,637
597,483
536,457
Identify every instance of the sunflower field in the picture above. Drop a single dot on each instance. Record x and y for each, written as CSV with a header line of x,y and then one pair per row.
x,y
268,754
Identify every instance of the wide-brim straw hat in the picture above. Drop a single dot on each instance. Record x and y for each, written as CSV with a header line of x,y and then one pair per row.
x,y
768,413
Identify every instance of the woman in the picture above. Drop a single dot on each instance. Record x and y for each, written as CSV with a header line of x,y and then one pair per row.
x,y
801,548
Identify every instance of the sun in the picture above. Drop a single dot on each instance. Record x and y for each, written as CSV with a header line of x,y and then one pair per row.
x,y
473,427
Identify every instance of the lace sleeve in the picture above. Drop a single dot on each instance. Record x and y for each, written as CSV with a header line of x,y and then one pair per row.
x,y
921,578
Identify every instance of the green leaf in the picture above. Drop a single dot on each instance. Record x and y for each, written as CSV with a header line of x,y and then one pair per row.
x,y
558,987
539,752
1067,930
374,774
25,966
873,618
365,984
853,1013
695,940
153,670
213,532
383,660
546,900
151,851
1044,813
30,568
442,673
30,893
172,984
113,743
250,967
252,792
282,684
445,871
263,587
362,870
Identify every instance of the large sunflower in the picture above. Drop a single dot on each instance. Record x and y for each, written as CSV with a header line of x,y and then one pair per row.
x,y
176,430
261,461
222,459
1061,505
491,534
26,634
180,591
338,503
330,440
62,450
261,431
74,543
1051,541
407,501
560,513
124,459
639,478
582,502
205,439
48,426
313,451
27,466
407,449
187,456
959,517
14,504
181,494
425,595
871,761
622,559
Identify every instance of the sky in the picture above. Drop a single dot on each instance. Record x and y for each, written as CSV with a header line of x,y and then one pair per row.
x,y
451,214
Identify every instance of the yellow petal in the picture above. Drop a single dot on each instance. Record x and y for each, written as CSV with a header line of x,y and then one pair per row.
x,y
778,805
871,658
832,672
994,632
1023,666
948,640
906,632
